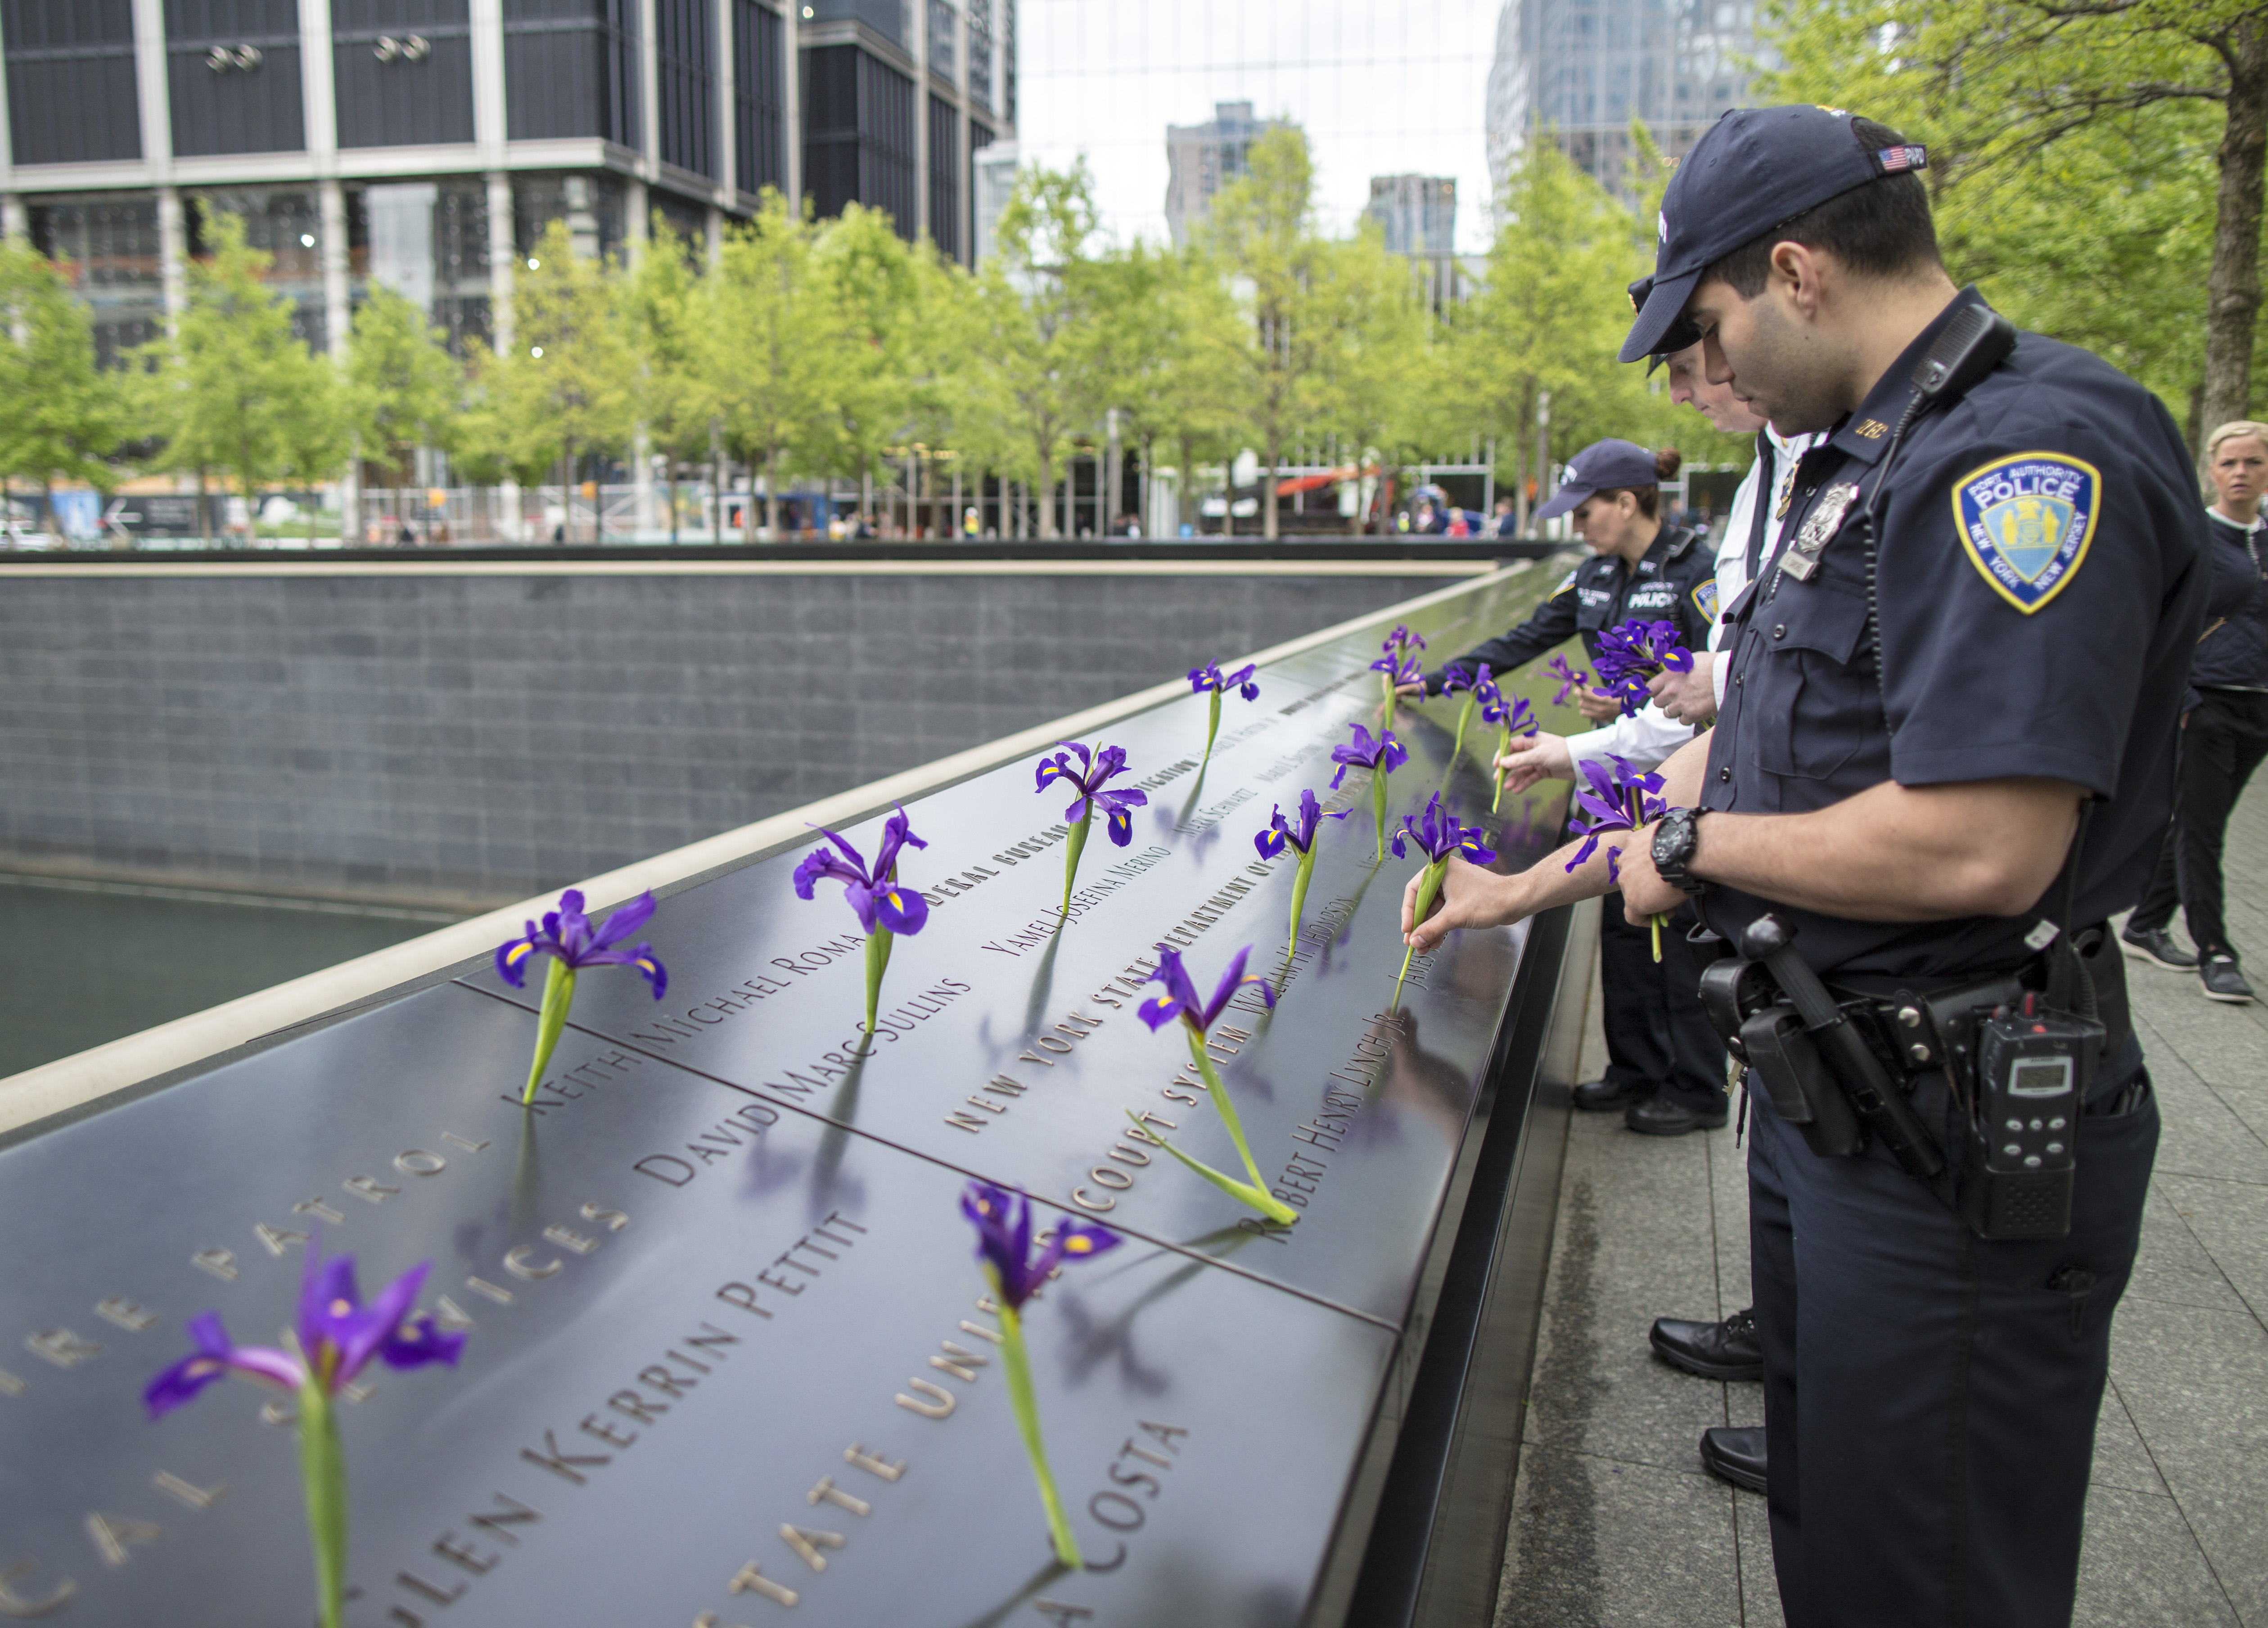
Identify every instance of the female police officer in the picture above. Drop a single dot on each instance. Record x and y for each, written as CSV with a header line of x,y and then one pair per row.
x,y
1982,623
1665,1064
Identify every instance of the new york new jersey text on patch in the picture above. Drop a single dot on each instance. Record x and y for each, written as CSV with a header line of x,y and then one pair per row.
x,y
2027,521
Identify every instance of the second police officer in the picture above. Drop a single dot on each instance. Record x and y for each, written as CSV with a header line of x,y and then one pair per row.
x,y
1942,764
1665,1064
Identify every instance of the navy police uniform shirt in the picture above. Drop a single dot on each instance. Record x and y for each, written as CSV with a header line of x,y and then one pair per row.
x,y
1675,581
2040,580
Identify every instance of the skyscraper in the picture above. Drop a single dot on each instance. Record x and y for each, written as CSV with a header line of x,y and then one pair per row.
x,y
1417,213
1583,69
1202,158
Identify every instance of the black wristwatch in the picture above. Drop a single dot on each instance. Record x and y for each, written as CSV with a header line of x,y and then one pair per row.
x,y
1674,842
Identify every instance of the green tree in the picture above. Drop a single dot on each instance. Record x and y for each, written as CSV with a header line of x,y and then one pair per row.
x,y
1028,346
402,388
2097,164
564,388
671,313
234,375
317,440
773,376
877,382
60,415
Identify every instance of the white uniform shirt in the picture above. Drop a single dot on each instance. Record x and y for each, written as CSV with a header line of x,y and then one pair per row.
x,y
1651,736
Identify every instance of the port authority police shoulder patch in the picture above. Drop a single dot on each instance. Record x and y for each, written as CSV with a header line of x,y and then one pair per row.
x,y
1705,598
1568,584
2027,521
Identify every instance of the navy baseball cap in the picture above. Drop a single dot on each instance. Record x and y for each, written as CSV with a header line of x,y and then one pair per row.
x,y
1603,465
1754,169
1681,334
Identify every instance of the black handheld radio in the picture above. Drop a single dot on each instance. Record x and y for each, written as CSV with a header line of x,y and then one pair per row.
x,y
2031,1074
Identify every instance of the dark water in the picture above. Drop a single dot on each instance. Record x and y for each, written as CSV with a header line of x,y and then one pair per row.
x,y
82,963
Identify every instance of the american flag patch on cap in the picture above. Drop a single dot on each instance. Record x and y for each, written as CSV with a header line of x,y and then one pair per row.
x,y
1890,160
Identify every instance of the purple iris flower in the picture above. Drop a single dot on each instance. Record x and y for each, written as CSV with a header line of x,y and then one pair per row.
x,y
1385,752
1515,717
1621,801
1571,679
1455,678
568,937
1116,805
1299,833
339,1337
1437,832
1210,677
1399,670
1403,639
873,894
1182,1000
1003,1219
1631,654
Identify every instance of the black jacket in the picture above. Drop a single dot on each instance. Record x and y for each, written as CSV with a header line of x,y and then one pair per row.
x,y
2232,653
1676,582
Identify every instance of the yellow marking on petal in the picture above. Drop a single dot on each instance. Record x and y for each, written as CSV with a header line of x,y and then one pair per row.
x,y
1078,1245
200,1367
516,952
342,1308
645,964
896,903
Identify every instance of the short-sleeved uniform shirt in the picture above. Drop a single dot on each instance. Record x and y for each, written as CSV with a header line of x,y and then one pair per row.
x,y
1675,581
2041,581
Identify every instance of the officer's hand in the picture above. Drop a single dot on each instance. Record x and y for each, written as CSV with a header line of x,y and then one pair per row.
x,y
1599,709
1530,758
1644,892
1688,697
1411,692
1469,897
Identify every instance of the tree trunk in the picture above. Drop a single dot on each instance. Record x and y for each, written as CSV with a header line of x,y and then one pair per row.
x,y
1269,482
2233,287
717,483
1047,485
772,493
204,514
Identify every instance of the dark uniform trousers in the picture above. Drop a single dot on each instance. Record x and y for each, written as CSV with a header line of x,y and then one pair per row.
x,y
1658,1036
1932,1466
2224,740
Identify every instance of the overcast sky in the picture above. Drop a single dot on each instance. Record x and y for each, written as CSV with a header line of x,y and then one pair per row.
x,y
1382,87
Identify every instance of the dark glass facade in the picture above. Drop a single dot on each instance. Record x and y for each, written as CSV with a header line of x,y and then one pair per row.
x,y
108,244
71,94
403,70
685,72
232,76
858,134
571,68
759,96
595,208
944,177
285,222
428,241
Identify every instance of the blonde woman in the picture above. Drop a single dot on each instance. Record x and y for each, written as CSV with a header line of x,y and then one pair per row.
x,y
2224,724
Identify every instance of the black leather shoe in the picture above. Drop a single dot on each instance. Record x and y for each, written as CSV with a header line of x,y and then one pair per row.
x,y
1737,1455
2157,947
1599,1096
1663,1115
1715,1351
2222,981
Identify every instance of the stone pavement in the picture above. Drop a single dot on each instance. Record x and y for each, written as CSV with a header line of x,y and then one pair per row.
x,y
1616,1524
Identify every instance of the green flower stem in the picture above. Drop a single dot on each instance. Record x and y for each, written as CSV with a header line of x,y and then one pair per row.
x,y
1300,879
1262,1199
558,995
1503,744
1017,1366
323,1473
1213,728
1429,888
1378,776
1072,847
878,960
1464,717
1655,922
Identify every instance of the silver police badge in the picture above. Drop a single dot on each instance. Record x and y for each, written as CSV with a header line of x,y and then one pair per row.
x,y
1819,528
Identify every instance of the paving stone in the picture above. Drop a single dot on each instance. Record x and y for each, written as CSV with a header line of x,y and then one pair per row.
x,y
1595,1543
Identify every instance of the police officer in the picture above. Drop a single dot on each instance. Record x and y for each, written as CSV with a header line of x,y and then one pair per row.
x,y
1665,1064
1979,627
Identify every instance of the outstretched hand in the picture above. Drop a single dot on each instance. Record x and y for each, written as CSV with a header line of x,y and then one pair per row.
x,y
1530,758
1469,897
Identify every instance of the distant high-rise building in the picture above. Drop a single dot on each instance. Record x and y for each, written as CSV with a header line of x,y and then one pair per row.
x,y
1202,158
1417,213
1583,69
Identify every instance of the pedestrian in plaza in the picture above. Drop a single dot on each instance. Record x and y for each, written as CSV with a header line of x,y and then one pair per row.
x,y
1665,1064
1943,762
2224,725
